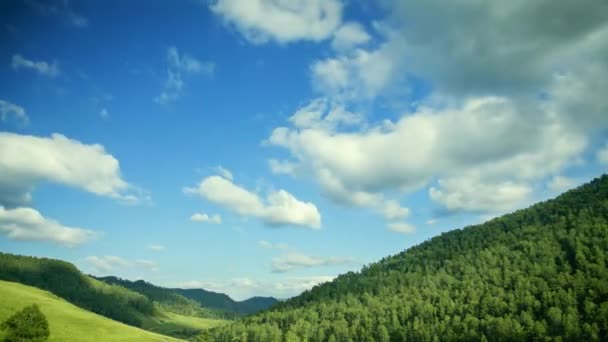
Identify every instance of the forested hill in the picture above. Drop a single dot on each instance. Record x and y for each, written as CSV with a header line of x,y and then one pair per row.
x,y
536,274
194,302
66,281
167,299
221,301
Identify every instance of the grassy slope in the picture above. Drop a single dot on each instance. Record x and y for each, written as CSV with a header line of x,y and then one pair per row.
x,y
66,321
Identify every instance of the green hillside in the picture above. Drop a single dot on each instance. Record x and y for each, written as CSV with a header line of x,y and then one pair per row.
x,y
536,274
68,322
220,301
110,300
167,300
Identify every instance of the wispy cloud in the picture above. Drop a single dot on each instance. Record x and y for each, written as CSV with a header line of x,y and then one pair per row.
x,y
41,67
10,110
177,67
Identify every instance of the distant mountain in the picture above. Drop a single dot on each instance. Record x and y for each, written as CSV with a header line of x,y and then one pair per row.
x,y
539,274
220,301
167,299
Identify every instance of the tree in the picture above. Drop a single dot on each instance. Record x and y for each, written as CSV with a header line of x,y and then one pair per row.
x,y
28,325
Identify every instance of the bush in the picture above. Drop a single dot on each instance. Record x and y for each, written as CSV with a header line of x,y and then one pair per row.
x,y
28,325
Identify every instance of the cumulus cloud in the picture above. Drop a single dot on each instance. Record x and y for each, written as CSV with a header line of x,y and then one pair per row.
x,y
360,74
562,183
28,224
471,194
283,167
279,208
178,65
294,260
349,35
27,160
496,145
282,21
213,219
394,211
43,68
478,47
243,288
10,110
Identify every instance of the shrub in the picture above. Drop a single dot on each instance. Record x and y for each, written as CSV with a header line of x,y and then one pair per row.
x,y
28,325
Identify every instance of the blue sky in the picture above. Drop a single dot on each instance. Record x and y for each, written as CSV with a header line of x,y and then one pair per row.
x,y
260,147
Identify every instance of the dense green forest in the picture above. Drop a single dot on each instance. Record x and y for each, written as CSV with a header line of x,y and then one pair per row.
x,y
66,281
220,301
536,274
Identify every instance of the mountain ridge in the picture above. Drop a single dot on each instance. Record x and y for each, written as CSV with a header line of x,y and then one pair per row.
x,y
535,274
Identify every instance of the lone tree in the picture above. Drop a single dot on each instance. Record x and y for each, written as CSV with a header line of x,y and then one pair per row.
x,y
28,325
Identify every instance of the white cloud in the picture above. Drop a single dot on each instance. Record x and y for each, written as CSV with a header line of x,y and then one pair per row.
x,y
27,160
107,263
110,263
283,21
401,227
360,74
8,110
602,155
156,248
562,183
243,288
177,66
104,114
492,144
280,207
44,68
479,47
279,167
471,194
394,211
431,221
349,35
224,173
28,224
294,260
213,219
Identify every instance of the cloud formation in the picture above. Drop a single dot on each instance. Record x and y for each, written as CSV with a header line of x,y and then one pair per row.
x,y
41,67
293,260
27,224
110,263
243,288
213,219
178,65
27,160
10,110
279,208
282,21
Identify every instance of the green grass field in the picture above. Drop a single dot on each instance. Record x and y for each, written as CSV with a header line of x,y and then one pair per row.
x,y
179,325
71,323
